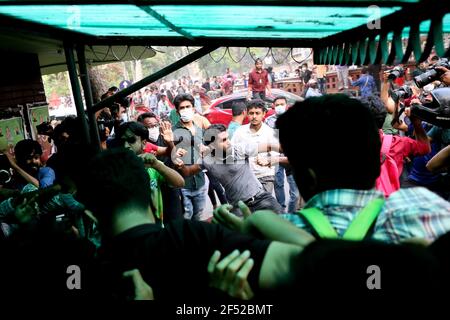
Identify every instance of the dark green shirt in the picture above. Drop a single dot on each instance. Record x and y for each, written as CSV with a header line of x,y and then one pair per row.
x,y
184,139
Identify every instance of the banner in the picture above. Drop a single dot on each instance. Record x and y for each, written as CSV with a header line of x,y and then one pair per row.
x,y
38,115
11,132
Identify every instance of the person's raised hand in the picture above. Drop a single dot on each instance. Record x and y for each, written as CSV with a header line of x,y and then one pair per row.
x,y
230,274
223,215
148,159
165,128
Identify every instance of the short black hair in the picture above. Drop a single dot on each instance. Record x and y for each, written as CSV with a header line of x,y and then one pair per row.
x,y
25,148
146,115
280,98
114,179
183,97
237,108
113,88
345,154
377,108
210,134
258,60
434,58
364,70
137,128
256,103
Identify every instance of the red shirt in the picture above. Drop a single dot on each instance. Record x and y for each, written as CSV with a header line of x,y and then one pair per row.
x,y
258,80
150,148
403,147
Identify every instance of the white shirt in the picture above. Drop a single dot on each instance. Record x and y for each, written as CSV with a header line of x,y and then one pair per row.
x,y
265,135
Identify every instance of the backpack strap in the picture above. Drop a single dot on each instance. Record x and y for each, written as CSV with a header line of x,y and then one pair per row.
x,y
361,224
365,84
386,145
358,227
319,223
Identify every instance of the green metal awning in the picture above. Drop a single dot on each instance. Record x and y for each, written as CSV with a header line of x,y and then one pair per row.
x,y
245,22
339,31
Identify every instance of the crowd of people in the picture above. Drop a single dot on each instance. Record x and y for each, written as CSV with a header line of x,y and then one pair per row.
x,y
367,179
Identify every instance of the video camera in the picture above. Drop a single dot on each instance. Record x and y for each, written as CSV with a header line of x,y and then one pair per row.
x,y
432,74
395,73
404,92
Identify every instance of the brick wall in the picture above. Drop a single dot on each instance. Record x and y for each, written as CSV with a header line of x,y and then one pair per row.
x,y
20,79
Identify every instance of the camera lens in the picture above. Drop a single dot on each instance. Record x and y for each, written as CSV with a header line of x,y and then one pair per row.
x,y
426,78
393,75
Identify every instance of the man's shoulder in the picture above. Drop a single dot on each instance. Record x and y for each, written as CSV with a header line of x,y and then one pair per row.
x,y
241,130
417,199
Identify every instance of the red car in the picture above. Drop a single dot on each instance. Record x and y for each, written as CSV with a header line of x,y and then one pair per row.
x,y
220,109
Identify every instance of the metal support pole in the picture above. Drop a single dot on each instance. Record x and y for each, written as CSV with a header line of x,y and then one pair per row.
x,y
76,91
85,82
153,77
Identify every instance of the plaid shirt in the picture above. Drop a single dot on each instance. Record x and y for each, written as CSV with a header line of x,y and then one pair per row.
x,y
407,213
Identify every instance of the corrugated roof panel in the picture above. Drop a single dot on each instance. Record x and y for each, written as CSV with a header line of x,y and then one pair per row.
x,y
198,20
266,20
99,20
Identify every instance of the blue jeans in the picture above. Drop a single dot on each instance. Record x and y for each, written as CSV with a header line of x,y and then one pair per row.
x,y
194,203
294,194
322,82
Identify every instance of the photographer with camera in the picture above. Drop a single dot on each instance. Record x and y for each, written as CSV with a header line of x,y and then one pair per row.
x,y
109,118
445,77
439,71
390,126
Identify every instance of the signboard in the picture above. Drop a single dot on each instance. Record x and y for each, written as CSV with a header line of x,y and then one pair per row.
x,y
124,84
38,115
11,132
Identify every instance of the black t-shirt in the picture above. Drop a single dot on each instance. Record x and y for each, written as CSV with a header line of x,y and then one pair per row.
x,y
173,260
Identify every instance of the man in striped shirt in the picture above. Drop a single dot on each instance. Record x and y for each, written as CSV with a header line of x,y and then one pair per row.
x,y
337,168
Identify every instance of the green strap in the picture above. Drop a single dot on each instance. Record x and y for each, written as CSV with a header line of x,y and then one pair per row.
x,y
363,221
358,227
319,223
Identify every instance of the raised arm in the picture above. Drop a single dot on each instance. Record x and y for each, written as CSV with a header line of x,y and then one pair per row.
x,y
384,95
172,177
441,161
263,224
29,178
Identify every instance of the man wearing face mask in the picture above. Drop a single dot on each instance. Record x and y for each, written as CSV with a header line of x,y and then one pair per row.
x,y
189,136
280,104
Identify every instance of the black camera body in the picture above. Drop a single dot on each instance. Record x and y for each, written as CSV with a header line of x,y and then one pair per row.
x,y
404,92
395,73
432,74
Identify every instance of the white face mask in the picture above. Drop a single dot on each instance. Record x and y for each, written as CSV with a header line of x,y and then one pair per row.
x,y
124,117
280,109
153,133
187,115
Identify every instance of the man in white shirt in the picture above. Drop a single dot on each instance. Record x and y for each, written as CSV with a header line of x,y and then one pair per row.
x,y
258,132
